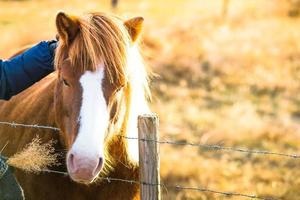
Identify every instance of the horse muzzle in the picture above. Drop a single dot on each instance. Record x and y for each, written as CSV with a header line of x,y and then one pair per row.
x,y
83,169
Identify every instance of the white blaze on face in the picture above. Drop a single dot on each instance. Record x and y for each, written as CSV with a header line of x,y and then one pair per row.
x,y
93,117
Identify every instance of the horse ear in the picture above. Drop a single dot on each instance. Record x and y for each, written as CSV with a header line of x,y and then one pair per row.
x,y
134,27
67,27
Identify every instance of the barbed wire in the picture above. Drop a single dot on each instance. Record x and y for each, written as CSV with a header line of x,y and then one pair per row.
x,y
15,125
204,146
176,187
217,147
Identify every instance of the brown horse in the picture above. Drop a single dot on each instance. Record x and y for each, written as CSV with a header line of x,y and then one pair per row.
x,y
94,97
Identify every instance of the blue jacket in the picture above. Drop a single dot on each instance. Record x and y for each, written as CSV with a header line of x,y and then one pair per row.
x,y
25,69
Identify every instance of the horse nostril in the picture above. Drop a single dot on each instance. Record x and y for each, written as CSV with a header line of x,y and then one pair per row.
x,y
71,162
100,161
99,167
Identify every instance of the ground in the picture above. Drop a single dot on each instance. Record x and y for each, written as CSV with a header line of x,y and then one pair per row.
x,y
228,77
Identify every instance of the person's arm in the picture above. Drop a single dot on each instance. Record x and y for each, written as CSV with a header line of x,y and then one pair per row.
x,y
9,186
24,70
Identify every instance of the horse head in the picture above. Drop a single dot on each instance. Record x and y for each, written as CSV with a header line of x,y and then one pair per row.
x,y
92,66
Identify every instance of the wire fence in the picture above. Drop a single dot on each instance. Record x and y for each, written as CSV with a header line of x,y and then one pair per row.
x,y
203,146
219,147
176,187
15,125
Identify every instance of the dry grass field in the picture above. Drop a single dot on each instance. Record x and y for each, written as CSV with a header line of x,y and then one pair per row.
x,y
222,78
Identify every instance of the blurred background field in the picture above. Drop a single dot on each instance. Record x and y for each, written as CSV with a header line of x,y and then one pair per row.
x,y
226,74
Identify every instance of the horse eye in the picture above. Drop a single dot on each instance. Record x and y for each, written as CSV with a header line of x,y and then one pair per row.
x,y
66,82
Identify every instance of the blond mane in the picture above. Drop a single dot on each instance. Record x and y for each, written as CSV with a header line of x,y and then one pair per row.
x,y
101,39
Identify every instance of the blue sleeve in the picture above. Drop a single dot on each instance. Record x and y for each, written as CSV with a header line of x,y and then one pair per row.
x,y
25,69
4,89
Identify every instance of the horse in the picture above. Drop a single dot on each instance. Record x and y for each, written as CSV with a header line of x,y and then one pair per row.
x,y
98,88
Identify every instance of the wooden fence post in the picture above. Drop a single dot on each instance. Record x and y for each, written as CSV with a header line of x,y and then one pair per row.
x,y
149,157
225,8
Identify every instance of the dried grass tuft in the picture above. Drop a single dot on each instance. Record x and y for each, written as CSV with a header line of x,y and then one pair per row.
x,y
35,157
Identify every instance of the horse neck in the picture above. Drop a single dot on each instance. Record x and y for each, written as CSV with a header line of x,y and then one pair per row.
x,y
32,106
